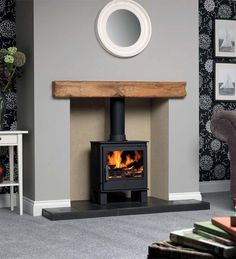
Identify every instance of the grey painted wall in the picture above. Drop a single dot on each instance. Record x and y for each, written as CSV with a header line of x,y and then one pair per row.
x,y
25,92
182,46
65,47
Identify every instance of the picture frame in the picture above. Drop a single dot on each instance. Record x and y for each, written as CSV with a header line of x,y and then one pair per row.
x,y
225,38
225,81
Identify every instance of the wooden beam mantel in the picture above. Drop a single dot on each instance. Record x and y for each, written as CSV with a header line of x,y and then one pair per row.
x,y
103,89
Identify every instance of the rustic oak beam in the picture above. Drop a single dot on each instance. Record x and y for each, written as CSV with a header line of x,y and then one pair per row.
x,y
103,89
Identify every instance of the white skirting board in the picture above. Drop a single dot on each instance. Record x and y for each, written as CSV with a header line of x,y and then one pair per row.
x,y
185,196
34,208
215,186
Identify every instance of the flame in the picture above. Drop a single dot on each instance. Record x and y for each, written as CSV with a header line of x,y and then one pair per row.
x,y
125,164
128,160
114,159
138,155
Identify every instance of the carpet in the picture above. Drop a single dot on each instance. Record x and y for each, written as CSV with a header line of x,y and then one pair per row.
x,y
123,237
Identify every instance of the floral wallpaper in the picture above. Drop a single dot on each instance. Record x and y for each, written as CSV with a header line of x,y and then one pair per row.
x,y
214,156
7,38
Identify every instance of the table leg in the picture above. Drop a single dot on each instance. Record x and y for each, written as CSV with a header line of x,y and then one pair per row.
x,y
11,169
20,169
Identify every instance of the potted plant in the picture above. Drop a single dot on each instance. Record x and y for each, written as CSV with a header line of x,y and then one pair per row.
x,y
11,62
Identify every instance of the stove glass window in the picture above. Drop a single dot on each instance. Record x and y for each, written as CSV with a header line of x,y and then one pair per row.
x,y
124,164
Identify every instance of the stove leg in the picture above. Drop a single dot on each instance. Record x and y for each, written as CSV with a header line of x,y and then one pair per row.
x,y
143,196
140,196
102,198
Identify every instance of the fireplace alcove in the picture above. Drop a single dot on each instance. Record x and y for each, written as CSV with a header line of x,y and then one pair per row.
x,y
92,90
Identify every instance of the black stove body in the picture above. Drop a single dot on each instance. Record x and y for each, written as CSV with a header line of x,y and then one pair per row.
x,y
118,165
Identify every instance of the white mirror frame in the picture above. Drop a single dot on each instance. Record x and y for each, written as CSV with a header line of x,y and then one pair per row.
x,y
145,24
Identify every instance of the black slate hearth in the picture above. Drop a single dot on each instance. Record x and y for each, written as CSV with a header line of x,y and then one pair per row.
x,y
87,209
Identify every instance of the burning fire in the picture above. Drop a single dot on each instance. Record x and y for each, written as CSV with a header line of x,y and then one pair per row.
x,y
123,161
114,159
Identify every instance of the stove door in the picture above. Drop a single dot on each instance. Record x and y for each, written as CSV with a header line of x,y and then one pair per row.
x,y
124,167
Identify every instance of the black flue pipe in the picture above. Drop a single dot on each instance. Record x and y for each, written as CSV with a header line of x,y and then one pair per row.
x,y
117,119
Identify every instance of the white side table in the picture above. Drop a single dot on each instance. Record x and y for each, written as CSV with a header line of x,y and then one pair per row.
x,y
11,139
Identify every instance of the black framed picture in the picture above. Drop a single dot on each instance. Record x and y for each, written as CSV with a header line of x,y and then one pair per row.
x,y
225,38
225,81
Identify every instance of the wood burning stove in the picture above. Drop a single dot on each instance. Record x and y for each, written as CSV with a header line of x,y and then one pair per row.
x,y
118,164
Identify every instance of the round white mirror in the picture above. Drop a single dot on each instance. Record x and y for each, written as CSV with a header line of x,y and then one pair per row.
x,y
124,28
